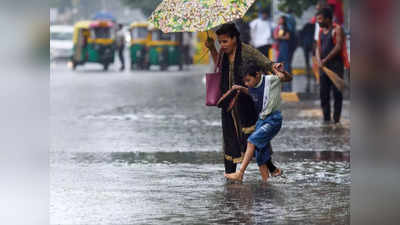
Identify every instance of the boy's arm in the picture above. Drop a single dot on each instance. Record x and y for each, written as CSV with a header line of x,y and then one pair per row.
x,y
241,89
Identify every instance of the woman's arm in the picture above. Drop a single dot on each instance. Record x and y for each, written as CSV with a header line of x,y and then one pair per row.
x,y
260,59
214,53
286,36
241,89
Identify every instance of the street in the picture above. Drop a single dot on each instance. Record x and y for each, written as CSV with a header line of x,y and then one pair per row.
x,y
141,147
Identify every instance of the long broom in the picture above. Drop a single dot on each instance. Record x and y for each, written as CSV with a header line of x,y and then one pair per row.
x,y
339,83
315,69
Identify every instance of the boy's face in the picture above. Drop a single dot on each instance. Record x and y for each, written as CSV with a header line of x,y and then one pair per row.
x,y
251,81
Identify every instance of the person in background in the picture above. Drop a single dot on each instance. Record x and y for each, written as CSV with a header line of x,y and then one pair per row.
x,y
282,35
120,41
291,25
337,9
331,53
244,29
306,38
186,47
261,30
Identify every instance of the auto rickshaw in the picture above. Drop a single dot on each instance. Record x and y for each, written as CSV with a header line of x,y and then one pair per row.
x,y
164,49
140,36
94,41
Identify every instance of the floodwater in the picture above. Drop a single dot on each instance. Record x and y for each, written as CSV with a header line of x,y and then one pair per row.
x,y
141,148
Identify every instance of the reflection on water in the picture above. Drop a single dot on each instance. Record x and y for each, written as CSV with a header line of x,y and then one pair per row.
x,y
191,157
189,188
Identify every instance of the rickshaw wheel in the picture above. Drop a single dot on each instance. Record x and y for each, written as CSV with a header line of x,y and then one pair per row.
x,y
74,64
164,67
105,66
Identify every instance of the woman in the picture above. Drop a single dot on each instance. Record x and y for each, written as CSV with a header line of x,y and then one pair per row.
x,y
237,123
283,36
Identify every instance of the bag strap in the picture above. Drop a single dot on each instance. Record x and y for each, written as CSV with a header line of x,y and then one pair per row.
x,y
219,62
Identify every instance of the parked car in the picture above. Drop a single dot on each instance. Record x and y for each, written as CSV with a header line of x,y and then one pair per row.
x,y
61,41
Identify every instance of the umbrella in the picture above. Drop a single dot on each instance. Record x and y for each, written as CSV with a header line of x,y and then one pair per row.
x,y
197,15
104,16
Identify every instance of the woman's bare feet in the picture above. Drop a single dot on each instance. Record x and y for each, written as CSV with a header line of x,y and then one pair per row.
x,y
234,176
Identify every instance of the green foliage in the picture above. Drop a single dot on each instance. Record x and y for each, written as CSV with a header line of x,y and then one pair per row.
x,y
252,13
297,6
147,6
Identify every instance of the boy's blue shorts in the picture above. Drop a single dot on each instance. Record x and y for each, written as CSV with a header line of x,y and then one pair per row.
x,y
265,130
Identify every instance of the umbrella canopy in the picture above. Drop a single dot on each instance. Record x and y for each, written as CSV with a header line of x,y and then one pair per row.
x,y
197,15
104,16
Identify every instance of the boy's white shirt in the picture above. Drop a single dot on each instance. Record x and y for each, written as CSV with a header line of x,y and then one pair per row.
x,y
272,83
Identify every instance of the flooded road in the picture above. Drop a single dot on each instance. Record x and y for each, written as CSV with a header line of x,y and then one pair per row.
x,y
141,148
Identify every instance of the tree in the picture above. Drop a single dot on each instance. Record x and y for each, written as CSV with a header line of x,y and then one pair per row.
x,y
147,6
298,6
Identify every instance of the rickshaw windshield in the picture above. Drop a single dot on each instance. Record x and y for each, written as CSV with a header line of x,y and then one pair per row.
x,y
101,32
61,36
139,33
159,35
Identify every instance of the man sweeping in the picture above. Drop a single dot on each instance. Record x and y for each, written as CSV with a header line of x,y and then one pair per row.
x,y
331,53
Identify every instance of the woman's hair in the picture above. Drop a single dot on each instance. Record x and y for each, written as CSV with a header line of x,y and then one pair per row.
x,y
252,68
284,19
228,29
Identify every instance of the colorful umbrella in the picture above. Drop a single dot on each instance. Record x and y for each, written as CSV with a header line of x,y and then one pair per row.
x,y
197,15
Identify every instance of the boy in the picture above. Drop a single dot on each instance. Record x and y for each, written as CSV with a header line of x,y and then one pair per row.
x,y
266,93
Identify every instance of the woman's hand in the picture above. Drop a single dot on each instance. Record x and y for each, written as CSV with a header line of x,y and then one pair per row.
x,y
278,66
237,87
284,76
210,43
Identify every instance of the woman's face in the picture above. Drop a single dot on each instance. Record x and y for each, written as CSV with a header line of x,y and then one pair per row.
x,y
227,43
281,21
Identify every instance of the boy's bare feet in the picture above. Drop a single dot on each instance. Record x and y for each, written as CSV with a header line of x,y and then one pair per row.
x,y
277,172
264,172
234,176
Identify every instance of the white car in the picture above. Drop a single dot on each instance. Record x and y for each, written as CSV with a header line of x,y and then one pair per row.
x,y
61,44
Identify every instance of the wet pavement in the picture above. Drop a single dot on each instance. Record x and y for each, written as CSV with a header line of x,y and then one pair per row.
x,y
141,148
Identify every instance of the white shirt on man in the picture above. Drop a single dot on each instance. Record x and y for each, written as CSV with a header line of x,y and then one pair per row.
x,y
316,33
261,32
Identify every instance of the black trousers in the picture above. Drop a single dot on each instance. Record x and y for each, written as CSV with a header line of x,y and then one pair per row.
x,y
326,86
121,56
264,49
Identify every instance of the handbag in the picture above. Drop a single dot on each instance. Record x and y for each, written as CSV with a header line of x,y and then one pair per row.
x,y
213,84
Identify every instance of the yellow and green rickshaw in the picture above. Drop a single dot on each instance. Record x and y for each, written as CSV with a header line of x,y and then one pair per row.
x,y
164,49
140,37
94,41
